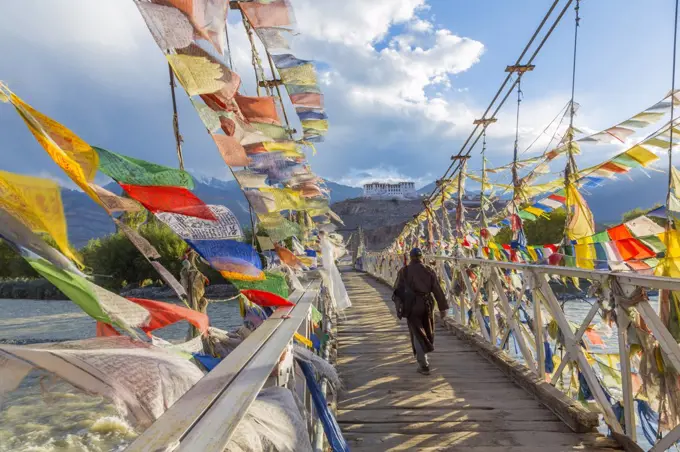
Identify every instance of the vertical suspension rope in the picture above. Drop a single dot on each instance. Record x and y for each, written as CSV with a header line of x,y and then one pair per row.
x,y
482,240
570,168
516,222
515,178
443,227
670,146
231,61
257,63
279,97
175,120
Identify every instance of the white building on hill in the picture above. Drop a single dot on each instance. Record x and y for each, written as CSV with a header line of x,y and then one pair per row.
x,y
384,190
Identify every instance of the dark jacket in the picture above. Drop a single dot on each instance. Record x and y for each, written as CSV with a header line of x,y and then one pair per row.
x,y
424,282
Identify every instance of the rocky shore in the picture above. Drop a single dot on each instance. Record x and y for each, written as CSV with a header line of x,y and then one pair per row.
x,y
41,289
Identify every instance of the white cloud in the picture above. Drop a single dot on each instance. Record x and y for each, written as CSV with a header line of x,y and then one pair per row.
x,y
384,173
352,22
378,84
420,25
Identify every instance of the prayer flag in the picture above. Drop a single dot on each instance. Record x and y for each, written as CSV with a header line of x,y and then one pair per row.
x,y
36,202
225,227
72,154
273,13
197,74
234,260
258,108
266,299
133,171
169,199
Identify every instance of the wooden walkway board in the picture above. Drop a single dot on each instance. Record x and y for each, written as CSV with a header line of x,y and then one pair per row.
x,y
466,404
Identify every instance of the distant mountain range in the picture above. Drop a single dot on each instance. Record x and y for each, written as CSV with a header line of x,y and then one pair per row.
x,y
86,220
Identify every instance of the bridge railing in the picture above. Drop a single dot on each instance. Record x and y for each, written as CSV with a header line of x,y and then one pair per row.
x,y
205,418
503,302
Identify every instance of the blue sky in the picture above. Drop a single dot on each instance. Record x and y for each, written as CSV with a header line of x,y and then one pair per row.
x,y
403,79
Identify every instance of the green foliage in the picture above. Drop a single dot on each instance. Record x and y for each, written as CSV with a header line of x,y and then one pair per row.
x,y
114,259
539,232
13,266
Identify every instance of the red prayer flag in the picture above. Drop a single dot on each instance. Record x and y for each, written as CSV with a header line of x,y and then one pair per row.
x,y
614,168
633,249
164,314
559,198
554,259
266,299
169,199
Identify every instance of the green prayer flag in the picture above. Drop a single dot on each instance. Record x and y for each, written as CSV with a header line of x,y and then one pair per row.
x,y
524,215
601,237
76,288
128,170
273,282
653,243
317,317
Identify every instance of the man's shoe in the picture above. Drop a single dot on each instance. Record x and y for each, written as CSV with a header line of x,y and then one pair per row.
x,y
425,370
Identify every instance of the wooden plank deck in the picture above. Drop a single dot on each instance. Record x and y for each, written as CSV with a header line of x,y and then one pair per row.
x,y
466,404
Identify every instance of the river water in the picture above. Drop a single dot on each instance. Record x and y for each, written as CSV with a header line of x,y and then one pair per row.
x,y
63,418
44,415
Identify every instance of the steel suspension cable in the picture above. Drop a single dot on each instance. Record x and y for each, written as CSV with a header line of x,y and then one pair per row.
x,y
669,219
571,169
535,53
507,78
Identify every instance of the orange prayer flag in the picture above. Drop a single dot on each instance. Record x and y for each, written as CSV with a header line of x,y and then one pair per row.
x,y
258,108
619,232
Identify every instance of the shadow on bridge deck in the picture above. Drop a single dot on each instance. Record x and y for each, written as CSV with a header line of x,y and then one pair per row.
x,y
466,404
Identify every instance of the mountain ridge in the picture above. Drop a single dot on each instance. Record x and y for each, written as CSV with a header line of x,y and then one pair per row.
x,y
87,220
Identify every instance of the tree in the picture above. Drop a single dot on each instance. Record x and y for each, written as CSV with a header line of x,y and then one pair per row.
x,y
13,265
114,260
540,231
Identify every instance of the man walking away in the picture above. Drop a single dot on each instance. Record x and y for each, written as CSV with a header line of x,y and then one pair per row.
x,y
413,290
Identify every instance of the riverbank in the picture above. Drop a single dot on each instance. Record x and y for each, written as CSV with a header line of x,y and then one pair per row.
x,y
41,289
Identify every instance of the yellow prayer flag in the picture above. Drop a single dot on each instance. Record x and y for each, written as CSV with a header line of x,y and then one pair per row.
x,y
316,124
287,148
657,142
285,198
37,203
581,223
299,75
197,74
532,252
585,256
300,338
70,152
642,155
669,265
536,211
